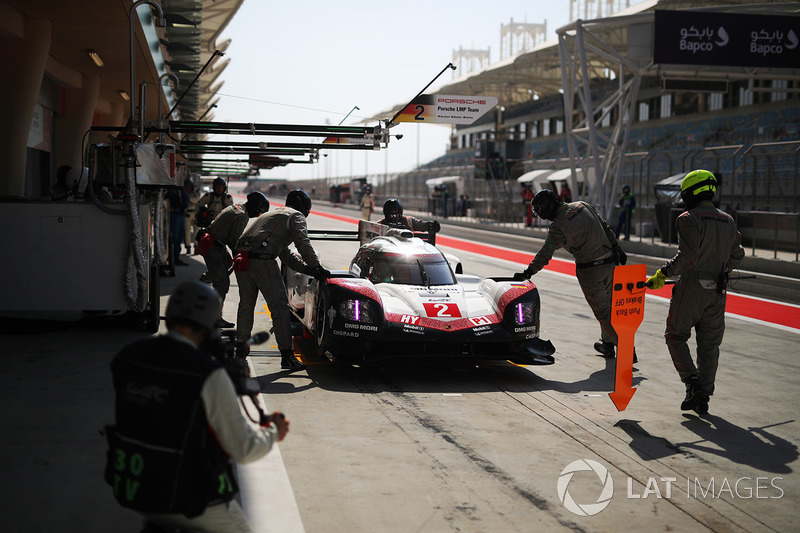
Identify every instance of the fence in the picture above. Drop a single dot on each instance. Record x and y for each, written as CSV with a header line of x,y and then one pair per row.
x,y
759,185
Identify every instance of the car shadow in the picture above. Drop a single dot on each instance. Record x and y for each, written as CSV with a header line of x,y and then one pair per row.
x,y
414,374
281,381
601,380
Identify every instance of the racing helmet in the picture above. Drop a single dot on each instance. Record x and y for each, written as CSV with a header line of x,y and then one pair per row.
x,y
392,210
196,302
545,204
221,182
256,204
698,185
626,188
300,200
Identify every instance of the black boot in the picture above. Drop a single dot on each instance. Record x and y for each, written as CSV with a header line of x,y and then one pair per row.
x,y
606,349
702,406
289,361
241,349
222,323
695,396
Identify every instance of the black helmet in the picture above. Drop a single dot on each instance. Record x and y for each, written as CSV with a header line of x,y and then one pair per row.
x,y
626,188
697,186
300,200
219,181
545,204
392,209
196,302
256,204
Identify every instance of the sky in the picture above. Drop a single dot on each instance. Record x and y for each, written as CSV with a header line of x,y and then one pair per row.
x,y
312,62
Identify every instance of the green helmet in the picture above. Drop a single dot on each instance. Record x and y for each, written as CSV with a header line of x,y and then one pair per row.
x,y
697,186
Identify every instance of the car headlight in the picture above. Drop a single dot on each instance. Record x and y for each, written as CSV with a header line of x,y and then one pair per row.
x,y
357,311
523,313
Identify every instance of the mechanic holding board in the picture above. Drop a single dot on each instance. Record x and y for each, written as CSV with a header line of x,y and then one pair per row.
x,y
577,227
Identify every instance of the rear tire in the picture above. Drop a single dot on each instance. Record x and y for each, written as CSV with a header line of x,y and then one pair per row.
x,y
320,325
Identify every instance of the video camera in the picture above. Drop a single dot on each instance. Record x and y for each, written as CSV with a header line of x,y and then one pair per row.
x,y
223,349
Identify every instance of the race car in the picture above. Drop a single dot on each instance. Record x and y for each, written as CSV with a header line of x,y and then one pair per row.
x,y
401,298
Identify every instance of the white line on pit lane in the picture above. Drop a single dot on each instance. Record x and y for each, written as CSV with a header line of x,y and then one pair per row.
x,y
266,492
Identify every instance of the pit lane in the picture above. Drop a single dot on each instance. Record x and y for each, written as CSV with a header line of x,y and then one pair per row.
x,y
409,446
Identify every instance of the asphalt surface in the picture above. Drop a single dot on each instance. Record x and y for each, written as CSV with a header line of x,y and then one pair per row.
x,y
438,447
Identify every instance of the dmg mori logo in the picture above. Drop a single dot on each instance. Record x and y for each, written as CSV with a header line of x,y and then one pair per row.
x,y
585,509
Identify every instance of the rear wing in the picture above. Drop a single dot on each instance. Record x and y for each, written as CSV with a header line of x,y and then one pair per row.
x,y
366,232
369,230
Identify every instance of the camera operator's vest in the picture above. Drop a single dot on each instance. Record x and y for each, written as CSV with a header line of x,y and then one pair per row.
x,y
162,457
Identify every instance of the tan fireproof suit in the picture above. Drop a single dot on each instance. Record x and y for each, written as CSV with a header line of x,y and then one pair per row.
x,y
708,245
215,202
367,206
189,227
578,228
269,237
226,229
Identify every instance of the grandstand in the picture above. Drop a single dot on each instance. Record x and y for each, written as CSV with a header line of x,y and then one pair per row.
x,y
631,120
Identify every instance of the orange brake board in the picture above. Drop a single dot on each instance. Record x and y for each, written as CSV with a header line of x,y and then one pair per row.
x,y
627,312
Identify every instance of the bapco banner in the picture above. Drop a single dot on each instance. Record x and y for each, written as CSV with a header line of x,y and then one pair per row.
x,y
726,39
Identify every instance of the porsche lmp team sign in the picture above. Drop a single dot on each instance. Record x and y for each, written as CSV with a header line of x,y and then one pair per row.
x,y
446,109
726,39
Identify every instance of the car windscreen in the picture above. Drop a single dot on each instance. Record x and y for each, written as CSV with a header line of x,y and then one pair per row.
x,y
411,270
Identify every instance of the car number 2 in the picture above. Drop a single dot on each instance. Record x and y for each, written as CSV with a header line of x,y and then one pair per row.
x,y
442,310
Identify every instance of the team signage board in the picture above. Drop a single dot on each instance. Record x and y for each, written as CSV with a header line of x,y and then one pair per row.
x,y
446,109
726,39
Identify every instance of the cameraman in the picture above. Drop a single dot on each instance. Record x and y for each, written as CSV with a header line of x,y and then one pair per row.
x,y
179,423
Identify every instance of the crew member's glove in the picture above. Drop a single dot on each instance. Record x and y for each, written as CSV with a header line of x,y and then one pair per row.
x,y
619,256
319,273
524,275
656,281
434,226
